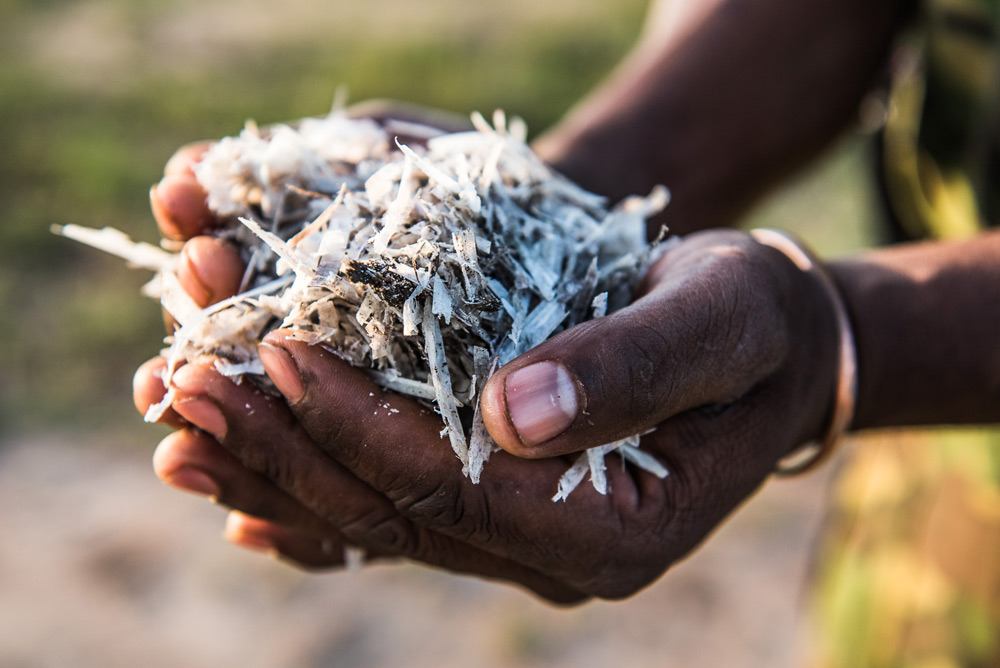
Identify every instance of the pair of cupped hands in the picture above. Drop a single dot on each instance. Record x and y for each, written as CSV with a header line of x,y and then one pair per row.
x,y
726,358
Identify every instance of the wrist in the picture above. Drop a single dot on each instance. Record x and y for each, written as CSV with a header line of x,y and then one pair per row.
x,y
926,318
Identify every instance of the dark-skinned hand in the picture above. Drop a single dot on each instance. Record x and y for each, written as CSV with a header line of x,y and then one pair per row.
x,y
728,352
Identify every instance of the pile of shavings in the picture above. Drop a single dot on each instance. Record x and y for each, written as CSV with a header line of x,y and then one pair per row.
x,y
430,263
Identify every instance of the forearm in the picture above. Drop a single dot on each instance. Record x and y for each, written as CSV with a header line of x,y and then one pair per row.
x,y
727,104
926,318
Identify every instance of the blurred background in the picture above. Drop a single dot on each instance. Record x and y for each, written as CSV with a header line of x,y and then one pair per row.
x,y
100,565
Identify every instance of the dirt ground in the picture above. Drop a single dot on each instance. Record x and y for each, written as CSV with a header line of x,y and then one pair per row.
x,y
101,565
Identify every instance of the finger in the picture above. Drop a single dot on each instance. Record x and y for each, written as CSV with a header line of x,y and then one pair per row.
x,y
182,162
209,270
264,517
264,435
701,335
286,544
148,390
396,447
180,207
193,461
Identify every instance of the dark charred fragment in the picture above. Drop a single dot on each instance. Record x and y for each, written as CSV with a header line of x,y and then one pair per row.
x,y
378,275
270,325
486,301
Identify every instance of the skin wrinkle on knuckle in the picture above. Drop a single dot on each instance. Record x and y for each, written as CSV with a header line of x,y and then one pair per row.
x,y
482,524
635,356
387,531
328,430
665,523
271,465
467,517
438,506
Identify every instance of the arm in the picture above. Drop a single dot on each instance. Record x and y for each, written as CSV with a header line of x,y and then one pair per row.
x,y
729,353
722,102
927,324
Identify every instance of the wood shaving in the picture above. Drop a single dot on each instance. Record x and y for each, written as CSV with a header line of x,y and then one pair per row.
x,y
431,264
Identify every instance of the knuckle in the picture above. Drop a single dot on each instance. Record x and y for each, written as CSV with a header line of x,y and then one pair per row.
x,y
270,464
325,428
449,508
631,369
332,432
438,506
388,531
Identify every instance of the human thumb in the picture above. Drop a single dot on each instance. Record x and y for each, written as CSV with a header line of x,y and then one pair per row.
x,y
621,375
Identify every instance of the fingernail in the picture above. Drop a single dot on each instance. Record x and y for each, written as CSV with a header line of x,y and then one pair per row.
x,y
541,401
162,214
193,283
282,371
204,414
239,533
179,205
183,161
210,269
193,480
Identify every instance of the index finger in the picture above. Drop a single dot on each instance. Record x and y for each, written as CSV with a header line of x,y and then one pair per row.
x,y
179,203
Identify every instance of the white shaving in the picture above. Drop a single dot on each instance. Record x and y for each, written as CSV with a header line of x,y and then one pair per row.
x,y
430,264
138,254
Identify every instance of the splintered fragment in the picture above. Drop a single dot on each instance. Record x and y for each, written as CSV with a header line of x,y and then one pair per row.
x,y
378,275
447,403
430,265
110,240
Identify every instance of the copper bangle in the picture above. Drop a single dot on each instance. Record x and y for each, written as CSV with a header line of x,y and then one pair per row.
x,y
812,454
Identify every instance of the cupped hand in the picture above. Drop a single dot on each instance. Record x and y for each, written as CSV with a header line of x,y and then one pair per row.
x,y
263,518
728,355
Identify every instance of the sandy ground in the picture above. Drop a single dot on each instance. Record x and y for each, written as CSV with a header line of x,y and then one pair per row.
x,y
101,565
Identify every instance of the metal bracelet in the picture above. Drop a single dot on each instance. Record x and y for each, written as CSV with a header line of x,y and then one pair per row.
x,y
812,454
